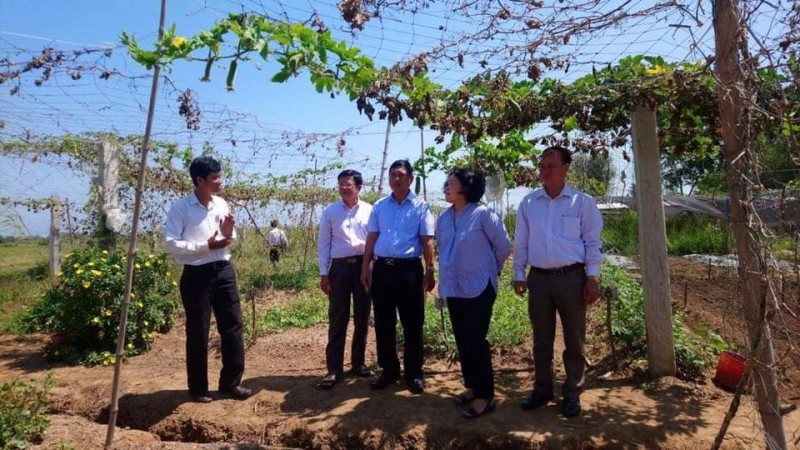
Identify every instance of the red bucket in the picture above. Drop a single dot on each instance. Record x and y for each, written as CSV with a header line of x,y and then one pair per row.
x,y
730,369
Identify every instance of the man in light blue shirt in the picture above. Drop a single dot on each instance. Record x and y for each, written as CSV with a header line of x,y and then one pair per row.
x,y
558,236
342,236
400,230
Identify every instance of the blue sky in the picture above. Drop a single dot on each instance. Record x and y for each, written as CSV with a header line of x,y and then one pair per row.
x,y
258,114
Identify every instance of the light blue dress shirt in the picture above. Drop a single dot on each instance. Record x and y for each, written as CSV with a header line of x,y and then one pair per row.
x,y
472,250
557,232
399,226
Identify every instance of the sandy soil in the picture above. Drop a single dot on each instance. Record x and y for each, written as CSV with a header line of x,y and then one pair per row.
x,y
622,409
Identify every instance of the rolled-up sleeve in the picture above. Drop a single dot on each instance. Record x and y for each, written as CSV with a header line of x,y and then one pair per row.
x,y
496,232
427,225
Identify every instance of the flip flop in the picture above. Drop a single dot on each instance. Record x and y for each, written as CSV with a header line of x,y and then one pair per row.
x,y
471,413
329,381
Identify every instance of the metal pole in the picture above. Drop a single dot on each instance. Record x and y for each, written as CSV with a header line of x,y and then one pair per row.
x,y
385,154
137,209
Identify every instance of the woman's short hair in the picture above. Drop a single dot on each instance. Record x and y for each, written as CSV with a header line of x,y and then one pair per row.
x,y
473,183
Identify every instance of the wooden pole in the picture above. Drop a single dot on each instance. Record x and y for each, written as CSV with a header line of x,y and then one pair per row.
x,y
54,241
385,155
422,155
653,244
735,123
137,210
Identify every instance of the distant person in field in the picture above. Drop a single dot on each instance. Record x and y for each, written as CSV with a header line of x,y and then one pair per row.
x,y
473,247
277,243
199,231
558,236
342,236
400,231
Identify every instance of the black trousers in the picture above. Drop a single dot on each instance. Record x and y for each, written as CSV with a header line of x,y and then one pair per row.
x,y
397,289
345,281
470,318
203,289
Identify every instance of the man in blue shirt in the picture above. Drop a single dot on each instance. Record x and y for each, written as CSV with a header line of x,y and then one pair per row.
x,y
558,236
400,229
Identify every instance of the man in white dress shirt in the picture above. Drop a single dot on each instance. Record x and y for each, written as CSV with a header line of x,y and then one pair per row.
x,y
558,236
342,234
277,243
199,231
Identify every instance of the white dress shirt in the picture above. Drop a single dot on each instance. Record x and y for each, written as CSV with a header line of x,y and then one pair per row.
x,y
342,232
557,232
277,238
190,224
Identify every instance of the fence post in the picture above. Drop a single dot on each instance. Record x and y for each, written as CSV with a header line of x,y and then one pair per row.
x,y
107,180
54,240
653,244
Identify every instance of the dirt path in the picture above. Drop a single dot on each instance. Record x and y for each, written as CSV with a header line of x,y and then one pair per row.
x,y
287,410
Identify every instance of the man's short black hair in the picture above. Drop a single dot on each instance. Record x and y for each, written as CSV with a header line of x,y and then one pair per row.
x,y
347,173
203,166
273,224
473,183
566,155
404,164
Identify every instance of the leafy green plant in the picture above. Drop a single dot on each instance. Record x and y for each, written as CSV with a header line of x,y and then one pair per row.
x,y
693,354
84,307
22,412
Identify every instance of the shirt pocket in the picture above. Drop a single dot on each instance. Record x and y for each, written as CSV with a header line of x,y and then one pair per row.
x,y
571,228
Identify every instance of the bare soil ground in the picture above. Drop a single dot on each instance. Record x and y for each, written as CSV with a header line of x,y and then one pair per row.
x,y
622,409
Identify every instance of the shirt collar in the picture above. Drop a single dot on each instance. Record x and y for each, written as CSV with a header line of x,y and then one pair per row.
x,y
193,200
567,191
410,198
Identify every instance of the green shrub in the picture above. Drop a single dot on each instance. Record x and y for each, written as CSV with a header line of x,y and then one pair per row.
x,y
85,305
22,412
298,279
687,234
620,233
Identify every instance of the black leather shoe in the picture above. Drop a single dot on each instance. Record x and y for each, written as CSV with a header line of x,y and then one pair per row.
x,y
571,406
202,398
383,381
535,400
416,386
238,392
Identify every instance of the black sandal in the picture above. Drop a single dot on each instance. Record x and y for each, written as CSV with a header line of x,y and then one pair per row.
x,y
463,400
471,413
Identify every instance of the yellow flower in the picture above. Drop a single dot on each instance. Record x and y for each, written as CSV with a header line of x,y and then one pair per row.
x,y
178,41
174,283
105,252
91,264
147,264
96,273
79,271
655,70
146,323
87,284
151,256
60,273
96,319
130,346
169,274
116,266
133,295
107,312
140,304
137,265
75,266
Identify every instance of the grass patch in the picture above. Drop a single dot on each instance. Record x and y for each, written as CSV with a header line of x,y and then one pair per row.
x,y
686,234
23,279
306,311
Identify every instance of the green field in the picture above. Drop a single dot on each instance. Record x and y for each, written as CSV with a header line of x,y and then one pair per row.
x,y
23,277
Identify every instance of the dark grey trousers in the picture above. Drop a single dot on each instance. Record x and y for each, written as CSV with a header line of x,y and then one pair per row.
x,y
562,294
345,282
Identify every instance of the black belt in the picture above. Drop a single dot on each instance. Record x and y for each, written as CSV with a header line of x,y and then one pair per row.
x,y
213,265
349,260
401,262
558,270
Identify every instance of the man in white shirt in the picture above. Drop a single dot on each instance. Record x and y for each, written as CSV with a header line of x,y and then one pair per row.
x,y
558,236
342,235
199,231
277,242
